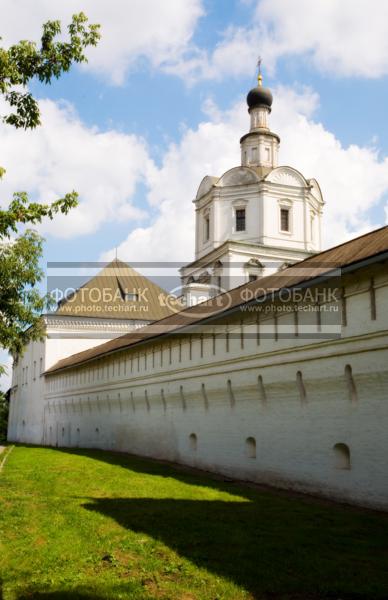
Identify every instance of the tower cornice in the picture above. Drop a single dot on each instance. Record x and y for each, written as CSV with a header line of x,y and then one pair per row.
x,y
260,132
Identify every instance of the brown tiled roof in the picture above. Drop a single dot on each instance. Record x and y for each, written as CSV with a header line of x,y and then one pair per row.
x,y
355,251
103,296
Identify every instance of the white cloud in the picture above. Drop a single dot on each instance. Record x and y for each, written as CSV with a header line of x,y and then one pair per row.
x,y
131,30
210,149
235,55
105,168
346,38
353,179
64,154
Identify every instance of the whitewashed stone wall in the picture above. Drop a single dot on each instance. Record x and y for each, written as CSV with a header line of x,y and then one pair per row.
x,y
198,399
66,335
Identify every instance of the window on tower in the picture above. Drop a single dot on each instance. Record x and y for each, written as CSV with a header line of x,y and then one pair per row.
x,y
240,219
285,219
207,228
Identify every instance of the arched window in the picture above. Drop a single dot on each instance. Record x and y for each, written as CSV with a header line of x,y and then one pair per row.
x,y
193,442
250,447
341,456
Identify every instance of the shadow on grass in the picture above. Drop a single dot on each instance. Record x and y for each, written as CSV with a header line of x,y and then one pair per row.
x,y
272,545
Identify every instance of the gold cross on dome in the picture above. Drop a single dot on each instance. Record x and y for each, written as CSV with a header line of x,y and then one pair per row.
x,y
259,76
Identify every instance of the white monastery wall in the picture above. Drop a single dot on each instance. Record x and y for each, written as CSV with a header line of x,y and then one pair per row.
x,y
263,396
65,336
254,407
26,393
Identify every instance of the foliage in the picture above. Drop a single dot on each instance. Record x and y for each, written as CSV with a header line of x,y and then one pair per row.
x,y
20,63
20,302
99,525
4,406
21,211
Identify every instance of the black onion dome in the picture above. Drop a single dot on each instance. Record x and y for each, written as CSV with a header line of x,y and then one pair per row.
x,y
259,96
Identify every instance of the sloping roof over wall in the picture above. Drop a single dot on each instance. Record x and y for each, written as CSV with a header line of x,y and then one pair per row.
x,y
353,252
104,296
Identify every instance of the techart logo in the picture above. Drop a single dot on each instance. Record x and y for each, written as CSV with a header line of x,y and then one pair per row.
x,y
199,300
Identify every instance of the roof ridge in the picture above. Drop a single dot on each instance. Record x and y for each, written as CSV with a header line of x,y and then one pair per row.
x,y
366,234
188,308
297,264
107,293
286,278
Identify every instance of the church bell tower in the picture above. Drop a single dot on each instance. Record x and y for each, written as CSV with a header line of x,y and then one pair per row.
x,y
259,147
256,218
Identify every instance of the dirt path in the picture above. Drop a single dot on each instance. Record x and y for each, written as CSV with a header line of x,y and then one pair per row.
x,y
3,458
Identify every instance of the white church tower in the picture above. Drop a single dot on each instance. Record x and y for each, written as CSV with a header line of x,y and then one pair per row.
x,y
256,218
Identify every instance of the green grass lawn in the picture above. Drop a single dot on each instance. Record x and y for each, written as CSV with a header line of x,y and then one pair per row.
x,y
92,524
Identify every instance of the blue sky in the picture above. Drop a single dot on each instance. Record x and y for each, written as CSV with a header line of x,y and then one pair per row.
x,y
158,104
162,103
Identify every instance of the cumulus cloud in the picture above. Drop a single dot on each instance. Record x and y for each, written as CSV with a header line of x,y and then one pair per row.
x,y
131,31
353,179
235,55
344,38
347,38
103,167
211,148
106,168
